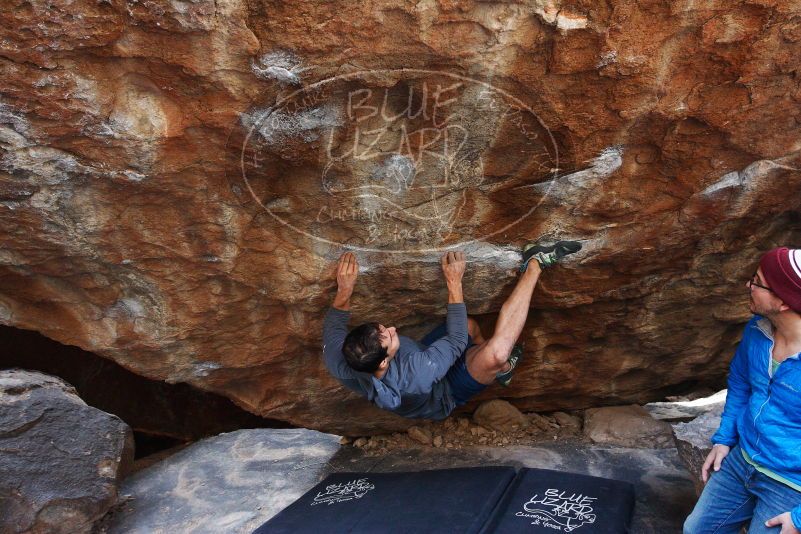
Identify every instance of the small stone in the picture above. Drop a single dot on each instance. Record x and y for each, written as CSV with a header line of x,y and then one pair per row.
x,y
627,426
449,445
345,440
463,423
437,441
360,442
565,420
539,421
482,439
499,415
420,435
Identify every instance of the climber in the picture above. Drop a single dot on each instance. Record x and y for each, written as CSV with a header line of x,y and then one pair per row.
x,y
756,453
452,363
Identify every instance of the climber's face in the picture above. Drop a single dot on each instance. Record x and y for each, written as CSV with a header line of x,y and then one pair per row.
x,y
389,340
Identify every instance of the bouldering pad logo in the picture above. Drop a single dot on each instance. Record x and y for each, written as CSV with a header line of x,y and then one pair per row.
x,y
559,510
347,491
398,160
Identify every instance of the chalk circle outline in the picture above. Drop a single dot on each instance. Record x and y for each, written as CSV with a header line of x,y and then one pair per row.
x,y
364,73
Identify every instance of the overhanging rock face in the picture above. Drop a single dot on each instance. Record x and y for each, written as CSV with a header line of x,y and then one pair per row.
x,y
177,178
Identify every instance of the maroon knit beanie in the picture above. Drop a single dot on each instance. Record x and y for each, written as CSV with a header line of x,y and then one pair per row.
x,y
781,268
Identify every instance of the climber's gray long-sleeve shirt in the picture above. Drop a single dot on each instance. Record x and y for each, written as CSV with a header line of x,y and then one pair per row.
x,y
414,384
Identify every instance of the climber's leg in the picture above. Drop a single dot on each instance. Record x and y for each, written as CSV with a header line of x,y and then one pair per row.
x,y
486,360
497,357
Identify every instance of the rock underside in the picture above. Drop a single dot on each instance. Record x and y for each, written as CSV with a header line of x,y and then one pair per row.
x,y
177,178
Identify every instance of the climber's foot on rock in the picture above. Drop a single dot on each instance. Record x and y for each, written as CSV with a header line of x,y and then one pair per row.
x,y
549,255
505,377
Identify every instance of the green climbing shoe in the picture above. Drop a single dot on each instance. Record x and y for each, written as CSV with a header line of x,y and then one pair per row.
x,y
506,377
547,256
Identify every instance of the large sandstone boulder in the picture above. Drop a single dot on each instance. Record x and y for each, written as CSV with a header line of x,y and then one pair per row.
x,y
176,179
60,460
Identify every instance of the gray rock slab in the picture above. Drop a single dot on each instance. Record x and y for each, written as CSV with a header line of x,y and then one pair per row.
x,y
234,482
231,483
683,411
692,442
60,460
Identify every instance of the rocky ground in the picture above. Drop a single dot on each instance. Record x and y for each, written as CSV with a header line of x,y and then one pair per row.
x,y
497,423
463,432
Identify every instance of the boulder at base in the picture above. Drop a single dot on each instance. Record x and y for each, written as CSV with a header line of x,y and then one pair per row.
x,y
230,483
692,441
60,460
500,415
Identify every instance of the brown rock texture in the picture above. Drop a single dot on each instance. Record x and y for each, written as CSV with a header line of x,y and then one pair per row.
x,y
177,178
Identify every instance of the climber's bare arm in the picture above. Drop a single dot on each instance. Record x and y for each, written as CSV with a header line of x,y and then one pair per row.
x,y
453,267
347,271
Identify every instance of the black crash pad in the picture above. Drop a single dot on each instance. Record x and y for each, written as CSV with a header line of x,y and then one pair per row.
x,y
540,500
445,500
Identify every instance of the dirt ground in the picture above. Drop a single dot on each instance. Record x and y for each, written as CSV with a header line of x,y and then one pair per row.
x,y
456,433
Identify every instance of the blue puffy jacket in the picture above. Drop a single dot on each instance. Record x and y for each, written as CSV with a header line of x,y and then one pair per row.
x,y
763,411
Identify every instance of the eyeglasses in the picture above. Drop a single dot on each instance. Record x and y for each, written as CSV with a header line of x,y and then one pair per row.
x,y
753,282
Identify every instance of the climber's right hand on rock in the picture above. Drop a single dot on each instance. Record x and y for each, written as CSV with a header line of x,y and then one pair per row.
x,y
453,267
347,272
714,459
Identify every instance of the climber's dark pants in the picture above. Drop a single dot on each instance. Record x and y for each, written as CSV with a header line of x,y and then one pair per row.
x,y
462,385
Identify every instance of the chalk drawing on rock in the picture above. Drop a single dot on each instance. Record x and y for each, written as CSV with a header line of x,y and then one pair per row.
x,y
399,154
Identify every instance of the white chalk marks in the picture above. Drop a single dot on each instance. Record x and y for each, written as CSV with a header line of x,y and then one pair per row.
x,y
396,160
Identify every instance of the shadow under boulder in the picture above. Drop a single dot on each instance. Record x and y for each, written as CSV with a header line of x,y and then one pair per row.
x,y
161,414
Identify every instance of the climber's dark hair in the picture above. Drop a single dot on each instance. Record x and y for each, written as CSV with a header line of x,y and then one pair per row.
x,y
362,349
